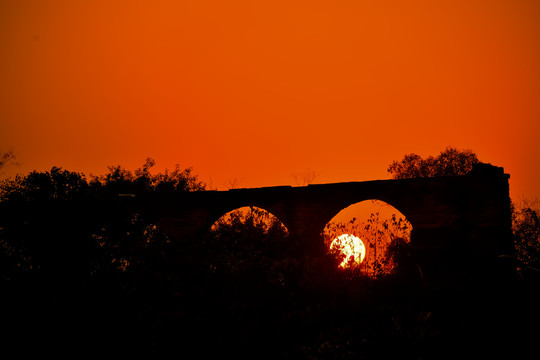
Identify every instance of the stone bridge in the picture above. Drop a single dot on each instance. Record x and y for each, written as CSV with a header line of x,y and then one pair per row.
x,y
456,220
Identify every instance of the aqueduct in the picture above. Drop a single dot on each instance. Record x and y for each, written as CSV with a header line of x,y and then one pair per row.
x,y
458,219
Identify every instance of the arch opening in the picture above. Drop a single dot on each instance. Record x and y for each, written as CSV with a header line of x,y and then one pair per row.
x,y
369,238
250,240
250,216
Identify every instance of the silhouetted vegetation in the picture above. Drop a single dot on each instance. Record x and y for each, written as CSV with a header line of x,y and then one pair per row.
x,y
57,223
83,268
450,162
6,158
526,230
251,241
385,239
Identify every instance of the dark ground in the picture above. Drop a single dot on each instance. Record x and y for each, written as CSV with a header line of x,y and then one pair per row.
x,y
244,317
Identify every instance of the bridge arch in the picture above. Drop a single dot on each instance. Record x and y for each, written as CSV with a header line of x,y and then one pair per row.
x,y
379,226
363,210
345,201
259,215
252,241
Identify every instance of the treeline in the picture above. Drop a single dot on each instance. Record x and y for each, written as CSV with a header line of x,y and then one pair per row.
x,y
60,224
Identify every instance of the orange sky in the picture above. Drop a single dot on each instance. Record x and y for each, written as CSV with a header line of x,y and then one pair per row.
x,y
259,90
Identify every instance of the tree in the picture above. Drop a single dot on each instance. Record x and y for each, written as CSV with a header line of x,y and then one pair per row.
x,y
58,223
386,240
45,221
526,231
6,159
55,184
304,178
250,241
450,162
122,181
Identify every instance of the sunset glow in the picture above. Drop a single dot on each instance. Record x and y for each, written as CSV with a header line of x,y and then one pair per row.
x,y
351,247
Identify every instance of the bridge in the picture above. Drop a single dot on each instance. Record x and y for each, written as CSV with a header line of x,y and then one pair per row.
x,y
457,221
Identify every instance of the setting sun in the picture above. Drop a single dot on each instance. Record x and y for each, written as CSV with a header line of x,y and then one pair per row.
x,y
351,247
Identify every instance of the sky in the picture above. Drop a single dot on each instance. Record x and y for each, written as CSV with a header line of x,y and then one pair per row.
x,y
250,93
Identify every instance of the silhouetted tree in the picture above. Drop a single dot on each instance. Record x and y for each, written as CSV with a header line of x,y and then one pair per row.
x,y
130,245
233,183
398,254
304,178
526,231
45,221
386,241
122,181
250,242
57,223
6,158
450,162
56,184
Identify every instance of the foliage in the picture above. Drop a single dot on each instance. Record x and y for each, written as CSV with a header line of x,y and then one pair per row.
x,y
251,241
56,184
526,231
121,181
129,245
58,223
304,178
44,221
6,158
450,162
385,240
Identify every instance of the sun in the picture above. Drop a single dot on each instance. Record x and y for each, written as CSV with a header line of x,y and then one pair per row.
x,y
351,247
